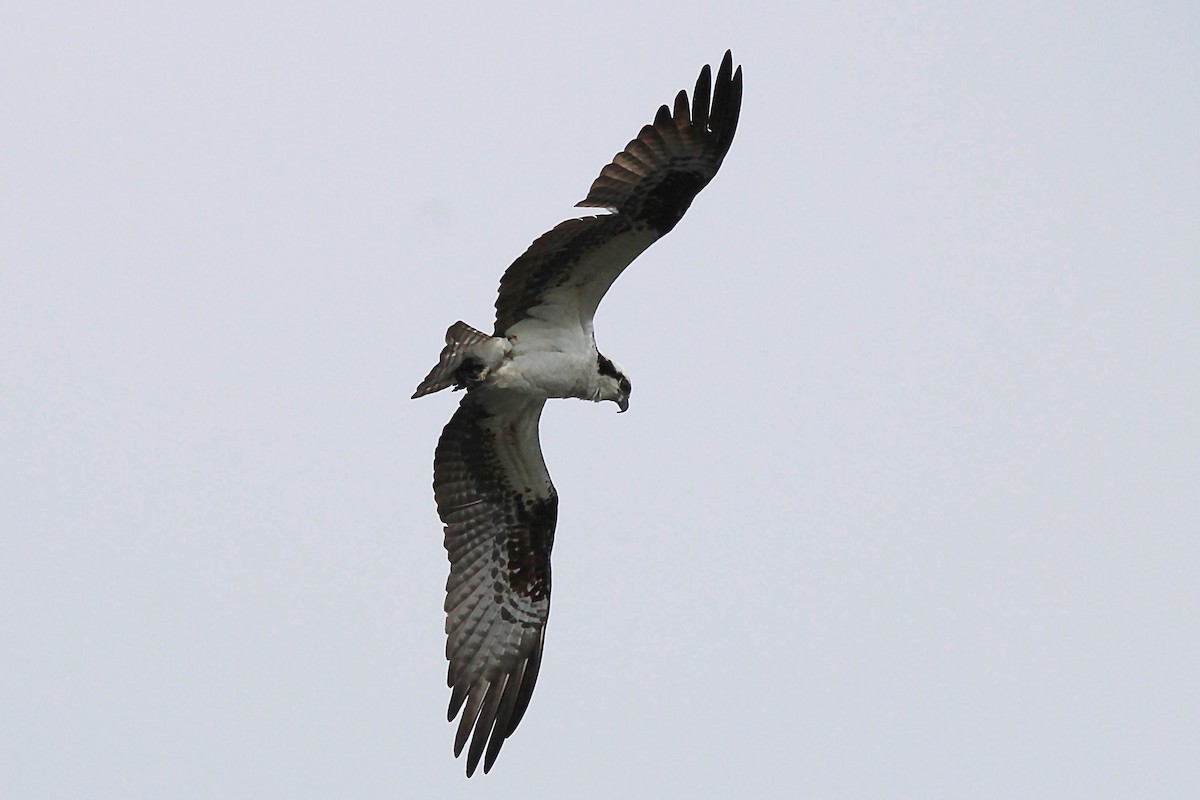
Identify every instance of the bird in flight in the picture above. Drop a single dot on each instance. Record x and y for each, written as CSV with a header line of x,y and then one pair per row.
x,y
490,482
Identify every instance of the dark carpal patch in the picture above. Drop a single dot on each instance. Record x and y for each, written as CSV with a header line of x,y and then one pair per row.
x,y
475,501
490,482
529,555
498,539
667,202
650,184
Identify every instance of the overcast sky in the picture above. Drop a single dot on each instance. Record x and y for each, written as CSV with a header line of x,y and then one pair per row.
x,y
905,505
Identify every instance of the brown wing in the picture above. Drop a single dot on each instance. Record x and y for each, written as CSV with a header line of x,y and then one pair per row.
x,y
564,274
499,508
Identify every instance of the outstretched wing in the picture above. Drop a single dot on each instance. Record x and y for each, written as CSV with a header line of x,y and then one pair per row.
x,y
499,507
561,278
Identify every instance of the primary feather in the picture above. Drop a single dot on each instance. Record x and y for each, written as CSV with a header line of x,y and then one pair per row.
x,y
493,492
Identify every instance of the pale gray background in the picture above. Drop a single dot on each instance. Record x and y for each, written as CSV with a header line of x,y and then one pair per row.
x,y
906,504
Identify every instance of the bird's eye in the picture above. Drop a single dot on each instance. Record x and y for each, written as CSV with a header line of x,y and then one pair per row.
x,y
623,385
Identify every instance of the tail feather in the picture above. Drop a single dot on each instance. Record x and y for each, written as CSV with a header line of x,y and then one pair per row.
x,y
459,338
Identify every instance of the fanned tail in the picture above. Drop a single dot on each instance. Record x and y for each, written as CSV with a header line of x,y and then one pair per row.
x,y
459,338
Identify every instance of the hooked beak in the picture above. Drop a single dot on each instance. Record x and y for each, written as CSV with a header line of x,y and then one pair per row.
x,y
623,403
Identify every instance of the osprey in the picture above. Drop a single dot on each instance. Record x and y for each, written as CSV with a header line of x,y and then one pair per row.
x,y
490,482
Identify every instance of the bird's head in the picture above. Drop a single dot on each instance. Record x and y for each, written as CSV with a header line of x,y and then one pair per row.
x,y
613,384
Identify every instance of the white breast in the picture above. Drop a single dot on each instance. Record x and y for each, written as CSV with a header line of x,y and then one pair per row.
x,y
549,361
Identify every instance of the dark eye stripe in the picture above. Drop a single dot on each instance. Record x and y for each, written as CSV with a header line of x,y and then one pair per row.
x,y
605,367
